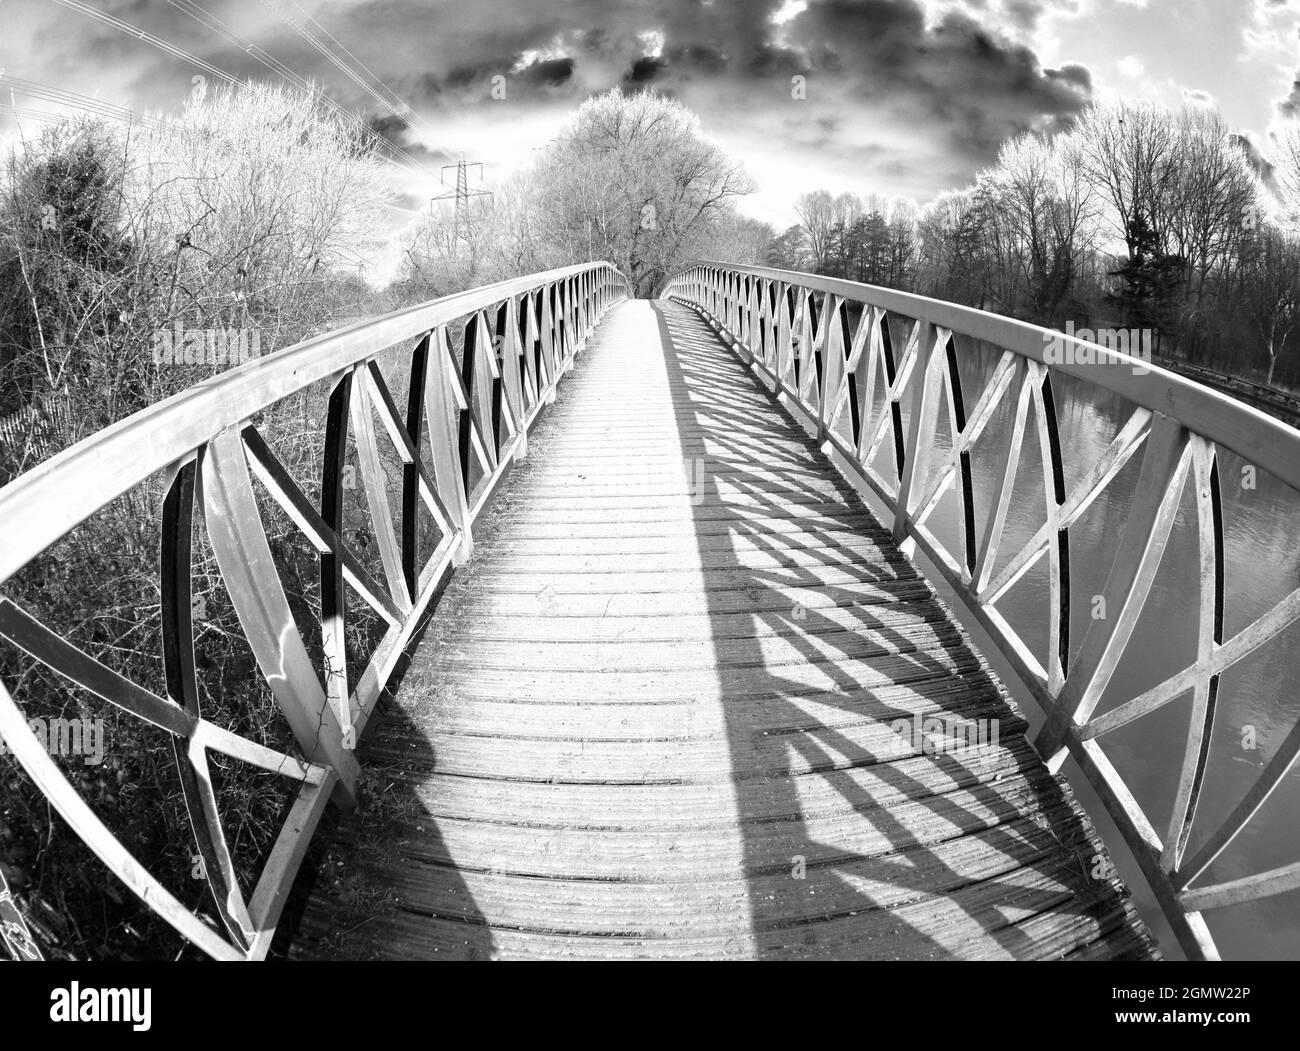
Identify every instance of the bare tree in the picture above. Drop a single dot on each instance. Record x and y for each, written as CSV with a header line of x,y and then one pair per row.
x,y
1046,207
1214,199
1126,151
256,194
824,220
740,239
633,179
1288,174
1272,291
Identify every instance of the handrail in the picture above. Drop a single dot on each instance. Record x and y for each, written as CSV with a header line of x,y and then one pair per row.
x,y
519,339
794,331
122,455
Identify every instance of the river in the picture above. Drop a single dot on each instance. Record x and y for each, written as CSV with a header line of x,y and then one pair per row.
x,y
1257,704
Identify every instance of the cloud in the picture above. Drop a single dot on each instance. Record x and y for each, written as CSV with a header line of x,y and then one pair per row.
x,y
1131,66
1270,39
1289,105
934,87
393,130
962,78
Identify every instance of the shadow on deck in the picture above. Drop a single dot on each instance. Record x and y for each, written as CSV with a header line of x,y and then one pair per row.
x,y
655,716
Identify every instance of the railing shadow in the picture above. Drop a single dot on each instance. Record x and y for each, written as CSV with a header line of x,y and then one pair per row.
x,y
359,893
849,848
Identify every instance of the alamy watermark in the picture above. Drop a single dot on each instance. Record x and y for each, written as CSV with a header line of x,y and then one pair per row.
x,y
1086,346
933,734
72,1003
83,737
206,346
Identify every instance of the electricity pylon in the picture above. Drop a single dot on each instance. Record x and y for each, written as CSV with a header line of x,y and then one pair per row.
x,y
461,194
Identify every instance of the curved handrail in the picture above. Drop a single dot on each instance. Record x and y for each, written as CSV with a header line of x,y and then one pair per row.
x,y
519,339
794,329
1252,434
72,485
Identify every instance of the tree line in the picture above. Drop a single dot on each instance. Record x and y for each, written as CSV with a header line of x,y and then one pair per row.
x,y
242,212
630,179
1138,217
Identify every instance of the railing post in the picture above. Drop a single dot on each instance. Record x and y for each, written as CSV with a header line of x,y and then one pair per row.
x,y
570,320
767,322
440,408
182,688
480,364
742,327
537,365
588,291
333,613
921,426
832,347
784,334
510,376
546,334
235,531
1146,531
806,356
564,345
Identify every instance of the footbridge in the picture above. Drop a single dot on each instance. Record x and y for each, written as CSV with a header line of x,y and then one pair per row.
x,y
777,617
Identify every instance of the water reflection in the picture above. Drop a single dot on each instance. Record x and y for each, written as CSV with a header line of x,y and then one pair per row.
x,y
1257,705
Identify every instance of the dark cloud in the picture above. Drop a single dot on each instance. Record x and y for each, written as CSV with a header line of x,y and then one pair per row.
x,y
781,62
970,81
393,130
696,58
390,129
1262,165
644,70
960,83
1290,105
551,72
1077,76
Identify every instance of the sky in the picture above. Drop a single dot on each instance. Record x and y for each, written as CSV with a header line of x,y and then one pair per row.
x,y
897,97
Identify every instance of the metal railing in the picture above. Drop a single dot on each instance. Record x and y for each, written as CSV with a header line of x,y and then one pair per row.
x,y
474,407
878,375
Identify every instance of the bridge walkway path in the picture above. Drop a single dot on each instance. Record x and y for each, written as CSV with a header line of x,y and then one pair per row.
x,y
657,715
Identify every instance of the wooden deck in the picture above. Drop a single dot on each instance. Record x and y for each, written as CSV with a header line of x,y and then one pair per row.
x,y
654,716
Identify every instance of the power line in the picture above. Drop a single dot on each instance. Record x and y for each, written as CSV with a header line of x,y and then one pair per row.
x,y
148,38
37,114
405,159
394,103
402,157
407,111
215,25
78,101
332,58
